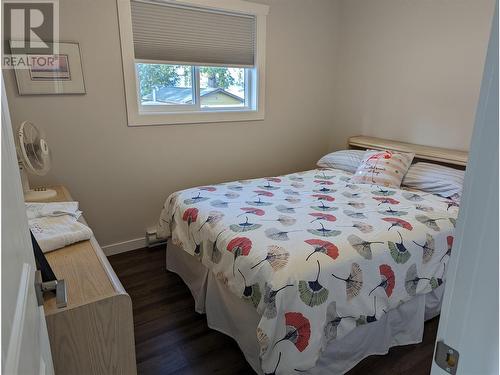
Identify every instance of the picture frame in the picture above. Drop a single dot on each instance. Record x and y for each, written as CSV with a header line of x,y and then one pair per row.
x,y
60,73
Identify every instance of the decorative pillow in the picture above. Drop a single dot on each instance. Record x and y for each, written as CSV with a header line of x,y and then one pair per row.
x,y
384,168
435,179
346,160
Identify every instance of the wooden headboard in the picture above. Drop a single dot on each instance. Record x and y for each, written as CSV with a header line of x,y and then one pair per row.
x,y
438,155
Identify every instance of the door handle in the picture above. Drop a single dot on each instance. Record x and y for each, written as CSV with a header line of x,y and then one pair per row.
x,y
446,357
59,286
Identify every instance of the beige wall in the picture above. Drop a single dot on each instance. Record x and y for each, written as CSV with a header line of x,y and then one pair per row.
x,y
122,175
410,69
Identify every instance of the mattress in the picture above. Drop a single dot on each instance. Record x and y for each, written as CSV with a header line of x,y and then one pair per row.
x,y
315,256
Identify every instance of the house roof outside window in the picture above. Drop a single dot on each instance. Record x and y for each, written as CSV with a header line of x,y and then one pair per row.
x,y
183,95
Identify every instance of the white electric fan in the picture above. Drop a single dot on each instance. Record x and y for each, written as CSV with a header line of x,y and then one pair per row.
x,y
34,157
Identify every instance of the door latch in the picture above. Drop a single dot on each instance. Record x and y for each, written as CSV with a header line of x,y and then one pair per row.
x,y
59,286
446,357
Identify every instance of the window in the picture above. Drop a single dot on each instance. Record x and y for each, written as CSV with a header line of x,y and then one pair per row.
x,y
170,88
186,63
165,85
222,87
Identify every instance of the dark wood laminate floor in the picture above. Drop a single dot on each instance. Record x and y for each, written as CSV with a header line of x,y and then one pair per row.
x,y
171,338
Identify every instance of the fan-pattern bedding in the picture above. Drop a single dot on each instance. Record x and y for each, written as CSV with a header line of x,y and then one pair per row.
x,y
315,254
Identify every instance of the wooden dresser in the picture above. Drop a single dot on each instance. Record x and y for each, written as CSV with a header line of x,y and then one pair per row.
x,y
94,333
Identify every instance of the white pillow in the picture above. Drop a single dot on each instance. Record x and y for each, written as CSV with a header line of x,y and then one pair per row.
x,y
435,179
346,160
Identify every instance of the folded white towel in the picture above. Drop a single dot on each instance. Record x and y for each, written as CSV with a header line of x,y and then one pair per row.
x,y
34,210
55,224
54,232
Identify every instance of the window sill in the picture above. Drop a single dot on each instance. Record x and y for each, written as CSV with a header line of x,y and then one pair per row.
x,y
155,118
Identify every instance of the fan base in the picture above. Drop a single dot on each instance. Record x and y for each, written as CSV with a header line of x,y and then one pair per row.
x,y
39,195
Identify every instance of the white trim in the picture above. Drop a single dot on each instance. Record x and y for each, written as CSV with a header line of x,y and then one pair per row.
x,y
123,247
16,334
196,107
136,117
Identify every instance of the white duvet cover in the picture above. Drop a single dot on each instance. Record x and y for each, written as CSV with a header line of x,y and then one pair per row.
x,y
316,255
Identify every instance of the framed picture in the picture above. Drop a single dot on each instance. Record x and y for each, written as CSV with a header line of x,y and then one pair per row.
x,y
60,73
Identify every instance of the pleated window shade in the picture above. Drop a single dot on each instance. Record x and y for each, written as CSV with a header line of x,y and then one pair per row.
x,y
194,36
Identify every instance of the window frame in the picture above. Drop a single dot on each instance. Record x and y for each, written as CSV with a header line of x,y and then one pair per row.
x,y
254,108
195,107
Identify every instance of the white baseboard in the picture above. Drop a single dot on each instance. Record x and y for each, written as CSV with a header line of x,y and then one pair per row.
x,y
122,247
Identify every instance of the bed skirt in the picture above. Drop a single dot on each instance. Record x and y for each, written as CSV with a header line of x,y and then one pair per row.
x,y
232,316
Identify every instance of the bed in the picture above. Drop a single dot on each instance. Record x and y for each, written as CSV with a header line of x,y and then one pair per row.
x,y
308,272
